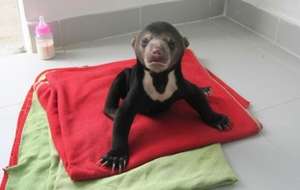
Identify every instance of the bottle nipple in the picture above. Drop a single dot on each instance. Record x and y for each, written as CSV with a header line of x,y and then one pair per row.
x,y
42,29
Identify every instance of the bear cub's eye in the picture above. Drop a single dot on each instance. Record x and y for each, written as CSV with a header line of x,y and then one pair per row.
x,y
145,41
171,44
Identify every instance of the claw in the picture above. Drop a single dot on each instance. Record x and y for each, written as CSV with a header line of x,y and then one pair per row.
x,y
220,127
124,164
98,163
104,163
228,127
120,167
113,167
206,91
121,160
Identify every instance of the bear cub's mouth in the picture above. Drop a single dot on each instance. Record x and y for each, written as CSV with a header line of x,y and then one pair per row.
x,y
157,60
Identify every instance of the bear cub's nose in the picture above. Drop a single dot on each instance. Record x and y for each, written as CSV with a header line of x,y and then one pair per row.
x,y
156,52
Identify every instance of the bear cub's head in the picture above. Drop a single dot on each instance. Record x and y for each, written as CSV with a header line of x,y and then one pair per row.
x,y
159,46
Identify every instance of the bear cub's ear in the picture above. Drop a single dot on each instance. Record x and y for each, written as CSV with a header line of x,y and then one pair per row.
x,y
133,41
186,42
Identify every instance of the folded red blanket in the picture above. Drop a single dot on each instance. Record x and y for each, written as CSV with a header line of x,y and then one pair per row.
x,y
74,100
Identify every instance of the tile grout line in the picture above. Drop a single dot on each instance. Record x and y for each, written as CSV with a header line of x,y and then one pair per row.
x,y
264,37
131,33
257,47
61,38
277,30
275,146
225,8
278,61
276,105
9,106
140,16
65,47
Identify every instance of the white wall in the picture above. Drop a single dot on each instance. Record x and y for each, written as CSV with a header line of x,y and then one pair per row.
x,y
61,9
287,9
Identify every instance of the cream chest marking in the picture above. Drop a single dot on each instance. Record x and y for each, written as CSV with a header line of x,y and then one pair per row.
x,y
149,88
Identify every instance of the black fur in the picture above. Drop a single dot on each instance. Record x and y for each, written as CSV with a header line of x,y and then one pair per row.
x,y
128,86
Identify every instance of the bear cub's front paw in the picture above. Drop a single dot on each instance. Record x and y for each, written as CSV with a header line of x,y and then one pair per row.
x,y
116,159
219,121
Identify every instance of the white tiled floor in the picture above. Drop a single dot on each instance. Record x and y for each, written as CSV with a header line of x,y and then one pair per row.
x,y
260,71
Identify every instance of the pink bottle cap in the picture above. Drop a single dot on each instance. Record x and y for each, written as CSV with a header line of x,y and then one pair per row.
x,y
42,29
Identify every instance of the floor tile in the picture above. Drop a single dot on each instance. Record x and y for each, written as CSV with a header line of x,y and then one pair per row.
x,y
253,40
86,28
260,165
253,72
288,36
176,12
281,127
258,20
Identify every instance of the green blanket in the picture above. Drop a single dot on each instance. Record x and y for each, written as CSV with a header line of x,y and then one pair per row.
x,y
40,168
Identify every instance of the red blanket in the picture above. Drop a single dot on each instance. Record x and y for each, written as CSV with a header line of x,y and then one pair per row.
x,y
74,99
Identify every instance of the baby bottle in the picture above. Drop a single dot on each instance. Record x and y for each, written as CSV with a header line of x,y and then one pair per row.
x,y
44,40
